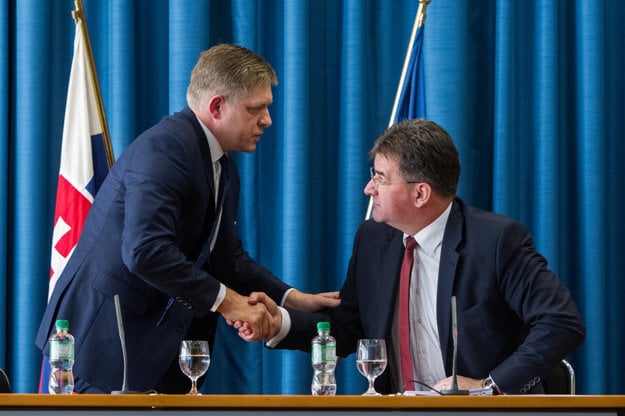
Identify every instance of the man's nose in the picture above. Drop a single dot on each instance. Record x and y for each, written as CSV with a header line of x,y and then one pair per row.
x,y
265,120
370,188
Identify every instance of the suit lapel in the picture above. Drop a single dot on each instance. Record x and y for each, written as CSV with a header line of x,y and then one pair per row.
x,y
446,277
207,163
204,148
388,289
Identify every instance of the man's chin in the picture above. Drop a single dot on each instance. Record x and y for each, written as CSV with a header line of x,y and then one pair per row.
x,y
247,149
251,148
376,218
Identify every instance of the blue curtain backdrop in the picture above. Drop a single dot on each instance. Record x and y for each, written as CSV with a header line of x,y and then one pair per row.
x,y
533,93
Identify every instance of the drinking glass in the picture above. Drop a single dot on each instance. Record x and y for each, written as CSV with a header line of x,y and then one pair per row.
x,y
194,359
371,361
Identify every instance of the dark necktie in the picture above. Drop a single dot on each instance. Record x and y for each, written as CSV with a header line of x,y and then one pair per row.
x,y
404,314
223,182
223,189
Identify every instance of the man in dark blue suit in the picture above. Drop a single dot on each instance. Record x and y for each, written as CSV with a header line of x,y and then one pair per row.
x,y
516,321
162,235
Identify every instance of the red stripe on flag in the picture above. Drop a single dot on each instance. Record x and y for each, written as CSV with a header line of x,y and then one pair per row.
x,y
73,207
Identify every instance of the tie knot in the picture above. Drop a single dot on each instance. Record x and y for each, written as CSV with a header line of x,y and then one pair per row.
x,y
411,243
223,160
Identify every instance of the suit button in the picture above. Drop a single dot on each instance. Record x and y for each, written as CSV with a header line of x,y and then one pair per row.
x,y
184,302
181,327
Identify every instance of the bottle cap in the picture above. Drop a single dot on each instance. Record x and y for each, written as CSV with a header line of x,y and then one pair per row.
x,y
323,326
62,324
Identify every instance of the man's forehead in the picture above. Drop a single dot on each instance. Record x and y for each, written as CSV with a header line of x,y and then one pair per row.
x,y
386,163
258,95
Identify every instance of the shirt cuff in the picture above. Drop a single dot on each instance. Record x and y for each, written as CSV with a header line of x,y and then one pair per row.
x,y
286,294
284,329
220,297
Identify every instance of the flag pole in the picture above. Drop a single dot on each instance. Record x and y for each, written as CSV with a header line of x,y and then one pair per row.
x,y
418,22
79,15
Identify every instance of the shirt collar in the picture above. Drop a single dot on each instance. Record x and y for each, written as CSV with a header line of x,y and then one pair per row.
x,y
213,144
431,237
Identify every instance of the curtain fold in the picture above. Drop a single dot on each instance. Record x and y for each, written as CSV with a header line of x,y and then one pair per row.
x,y
533,94
30,191
592,174
545,206
4,169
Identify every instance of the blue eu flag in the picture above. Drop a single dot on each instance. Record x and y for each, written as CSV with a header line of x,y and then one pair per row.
x,y
411,102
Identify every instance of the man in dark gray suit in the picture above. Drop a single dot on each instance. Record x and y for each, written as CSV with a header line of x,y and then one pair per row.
x,y
162,235
516,320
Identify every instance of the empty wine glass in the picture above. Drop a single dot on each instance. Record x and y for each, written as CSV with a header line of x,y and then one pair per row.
x,y
371,361
194,359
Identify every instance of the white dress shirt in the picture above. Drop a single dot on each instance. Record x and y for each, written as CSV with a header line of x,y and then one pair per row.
x,y
216,153
425,347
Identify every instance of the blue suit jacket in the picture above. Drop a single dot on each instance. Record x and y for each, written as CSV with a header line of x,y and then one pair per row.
x,y
515,319
148,224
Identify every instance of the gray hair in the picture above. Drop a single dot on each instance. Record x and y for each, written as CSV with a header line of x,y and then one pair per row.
x,y
425,153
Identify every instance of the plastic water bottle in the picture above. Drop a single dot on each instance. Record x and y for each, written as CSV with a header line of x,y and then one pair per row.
x,y
61,360
323,361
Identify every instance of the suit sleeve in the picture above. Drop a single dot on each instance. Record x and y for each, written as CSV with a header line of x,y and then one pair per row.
x,y
537,297
158,240
251,276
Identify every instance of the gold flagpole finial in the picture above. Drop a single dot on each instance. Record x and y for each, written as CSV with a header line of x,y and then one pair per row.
x,y
77,13
423,5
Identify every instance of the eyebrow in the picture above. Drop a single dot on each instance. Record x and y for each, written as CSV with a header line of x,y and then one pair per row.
x,y
378,172
258,104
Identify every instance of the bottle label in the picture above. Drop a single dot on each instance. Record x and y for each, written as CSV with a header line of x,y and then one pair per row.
x,y
61,351
323,353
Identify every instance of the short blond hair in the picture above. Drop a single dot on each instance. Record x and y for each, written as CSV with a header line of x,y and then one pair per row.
x,y
228,70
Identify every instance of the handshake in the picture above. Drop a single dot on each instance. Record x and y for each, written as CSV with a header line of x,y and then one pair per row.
x,y
258,317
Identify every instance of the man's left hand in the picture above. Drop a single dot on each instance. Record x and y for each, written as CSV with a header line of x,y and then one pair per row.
x,y
464,383
308,303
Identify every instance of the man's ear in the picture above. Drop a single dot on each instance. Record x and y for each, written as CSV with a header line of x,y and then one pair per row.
x,y
215,106
422,192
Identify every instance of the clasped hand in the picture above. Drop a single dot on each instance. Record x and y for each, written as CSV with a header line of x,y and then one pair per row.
x,y
254,317
272,319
